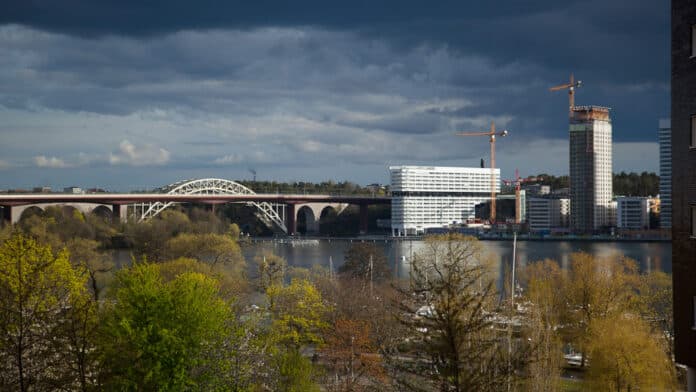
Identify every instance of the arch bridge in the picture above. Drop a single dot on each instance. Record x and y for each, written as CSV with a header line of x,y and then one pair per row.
x,y
278,211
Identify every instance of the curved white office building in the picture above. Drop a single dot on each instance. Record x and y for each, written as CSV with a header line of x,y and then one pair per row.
x,y
426,197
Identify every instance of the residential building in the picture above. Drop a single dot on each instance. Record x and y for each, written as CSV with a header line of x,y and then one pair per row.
x,y
633,213
545,214
590,169
428,197
683,141
665,139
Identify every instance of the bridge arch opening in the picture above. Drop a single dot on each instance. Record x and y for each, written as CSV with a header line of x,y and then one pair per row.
x,y
69,211
103,212
327,219
328,212
31,211
306,221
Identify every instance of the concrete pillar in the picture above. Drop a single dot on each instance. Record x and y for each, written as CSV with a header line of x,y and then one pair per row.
x,y
7,214
363,219
292,219
119,212
691,379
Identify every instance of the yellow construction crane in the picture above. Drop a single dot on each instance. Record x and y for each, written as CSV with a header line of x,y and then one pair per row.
x,y
491,134
571,86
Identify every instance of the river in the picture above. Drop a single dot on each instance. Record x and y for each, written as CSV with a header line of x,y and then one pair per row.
x,y
649,255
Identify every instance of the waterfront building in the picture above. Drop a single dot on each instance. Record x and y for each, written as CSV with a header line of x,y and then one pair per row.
x,y
633,213
683,142
546,214
505,208
590,169
613,207
665,139
428,197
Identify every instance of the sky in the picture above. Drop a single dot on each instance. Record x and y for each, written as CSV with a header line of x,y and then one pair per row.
x,y
127,95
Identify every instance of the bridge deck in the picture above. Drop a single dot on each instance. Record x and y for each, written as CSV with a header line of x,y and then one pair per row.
x,y
130,198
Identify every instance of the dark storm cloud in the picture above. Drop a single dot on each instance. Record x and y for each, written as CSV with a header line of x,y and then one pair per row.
x,y
220,86
618,43
139,18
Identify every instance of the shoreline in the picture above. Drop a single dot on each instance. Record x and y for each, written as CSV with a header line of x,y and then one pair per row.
x,y
388,238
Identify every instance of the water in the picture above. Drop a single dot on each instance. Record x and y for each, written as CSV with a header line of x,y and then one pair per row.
x,y
649,255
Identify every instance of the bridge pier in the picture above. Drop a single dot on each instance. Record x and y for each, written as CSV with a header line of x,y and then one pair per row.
x,y
119,211
291,215
363,219
7,214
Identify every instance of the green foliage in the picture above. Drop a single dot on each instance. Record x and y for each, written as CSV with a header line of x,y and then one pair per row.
x,y
42,297
150,237
296,373
634,184
161,335
625,356
56,225
618,319
555,182
209,248
624,184
326,187
97,264
298,313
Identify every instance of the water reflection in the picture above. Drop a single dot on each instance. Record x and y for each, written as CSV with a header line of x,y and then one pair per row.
x,y
650,256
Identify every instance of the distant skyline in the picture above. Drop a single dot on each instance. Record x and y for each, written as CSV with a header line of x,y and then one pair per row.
x,y
122,95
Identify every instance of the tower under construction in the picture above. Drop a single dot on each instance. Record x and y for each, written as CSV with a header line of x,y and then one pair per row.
x,y
590,169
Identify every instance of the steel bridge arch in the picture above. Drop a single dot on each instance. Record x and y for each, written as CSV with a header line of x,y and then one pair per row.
x,y
267,212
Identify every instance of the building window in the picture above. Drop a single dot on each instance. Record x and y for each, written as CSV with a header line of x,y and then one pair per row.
x,y
693,325
693,221
693,40
692,134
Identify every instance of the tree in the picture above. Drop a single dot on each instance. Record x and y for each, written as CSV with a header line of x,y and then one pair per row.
x,y
626,356
220,251
295,373
271,269
596,288
41,297
364,261
160,335
298,313
352,356
656,307
86,254
209,248
150,237
298,317
544,282
451,343
231,285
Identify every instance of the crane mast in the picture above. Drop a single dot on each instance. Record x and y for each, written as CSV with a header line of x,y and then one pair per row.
x,y
570,86
492,137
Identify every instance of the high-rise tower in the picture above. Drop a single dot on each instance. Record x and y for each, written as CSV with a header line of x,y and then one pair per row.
x,y
590,169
